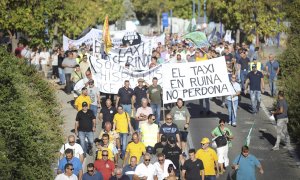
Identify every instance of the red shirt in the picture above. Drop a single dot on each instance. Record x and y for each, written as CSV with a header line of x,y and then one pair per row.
x,y
105,167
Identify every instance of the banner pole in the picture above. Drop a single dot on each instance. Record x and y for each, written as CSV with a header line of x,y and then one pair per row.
x,y
164,111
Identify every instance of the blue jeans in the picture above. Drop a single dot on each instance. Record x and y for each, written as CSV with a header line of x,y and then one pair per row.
x,y
206,107
232,109
255,97
127,108
243,77
124,141
90,137
156,111
210,177
94,108
272,83
61,74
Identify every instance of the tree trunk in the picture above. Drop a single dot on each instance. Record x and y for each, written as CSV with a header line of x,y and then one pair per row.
x,y
158,21
237,36
54,42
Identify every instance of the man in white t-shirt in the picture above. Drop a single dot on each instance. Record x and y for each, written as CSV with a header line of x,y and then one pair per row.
x,y
161,167
77,149
94,93
45,59
68,175
145,170
233,101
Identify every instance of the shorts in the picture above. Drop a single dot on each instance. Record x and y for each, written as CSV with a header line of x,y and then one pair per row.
x,y
183,135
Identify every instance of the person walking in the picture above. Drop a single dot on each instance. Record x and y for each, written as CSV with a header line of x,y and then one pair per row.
x,y
85,126
140,92
107,113
170,129
68,173
244,68
69,64
233,101
244,165
84,97
145,170
192,167
209,158
92,174
154,95
282,121
124,97
77,165
130,168
134,148
257,86
105,166
77,149
142,114
150,133
94,94
272,69
222,151
161,167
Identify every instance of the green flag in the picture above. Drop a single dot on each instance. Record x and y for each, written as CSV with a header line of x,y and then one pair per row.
x,y
198,38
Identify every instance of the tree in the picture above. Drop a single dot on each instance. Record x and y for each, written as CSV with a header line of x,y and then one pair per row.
x,y
258,17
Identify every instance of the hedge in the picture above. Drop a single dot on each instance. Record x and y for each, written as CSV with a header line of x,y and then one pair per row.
x,y
30,122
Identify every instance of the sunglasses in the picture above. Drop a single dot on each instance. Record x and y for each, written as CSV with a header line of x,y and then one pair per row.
x,y
161,160
104,154
169,119
153,119
90,170
71,142
147,159
72,169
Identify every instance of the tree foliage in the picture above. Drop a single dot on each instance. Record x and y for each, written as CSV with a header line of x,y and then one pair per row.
x,y
30,122
290,67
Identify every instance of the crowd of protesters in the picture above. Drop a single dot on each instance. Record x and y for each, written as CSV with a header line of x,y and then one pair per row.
x,y
135,141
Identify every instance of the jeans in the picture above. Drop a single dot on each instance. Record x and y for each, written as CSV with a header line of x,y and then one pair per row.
x,y
69,83
156,111
243,76
124,141
272,83
90,136
205,108
127,108
255,97
61,74
232,109
94,108
210,177
282,131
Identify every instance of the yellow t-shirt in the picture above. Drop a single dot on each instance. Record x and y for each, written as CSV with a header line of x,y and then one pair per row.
x,y
121,121
113,136
109,150
82,99
258,65
201,58
149,134
135,150
208,158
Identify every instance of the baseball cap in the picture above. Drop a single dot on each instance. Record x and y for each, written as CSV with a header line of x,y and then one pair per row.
x,y
141,80
150,150
205,140
84,104
172,140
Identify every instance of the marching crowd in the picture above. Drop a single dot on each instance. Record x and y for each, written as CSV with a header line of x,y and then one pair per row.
x,y
158,145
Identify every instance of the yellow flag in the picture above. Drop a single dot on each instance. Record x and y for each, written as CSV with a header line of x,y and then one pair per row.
x,y
106,36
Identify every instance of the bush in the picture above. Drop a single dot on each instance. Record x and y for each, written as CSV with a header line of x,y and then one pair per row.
x,y
30,122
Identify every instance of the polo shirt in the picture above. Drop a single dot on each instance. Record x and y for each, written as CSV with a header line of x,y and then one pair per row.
x,y
76,165
111,149
125,95
272,68
149,134
135,149
244,64
193,169
143,170
139,93
65,177
85,120
162,173
96,176
129,171
108,114
255,80
121,122
208,158
105,168
82,98
247,167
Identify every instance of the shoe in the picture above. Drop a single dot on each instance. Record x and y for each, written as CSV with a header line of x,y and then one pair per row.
x,y
230,122
223,105
275,148
234,124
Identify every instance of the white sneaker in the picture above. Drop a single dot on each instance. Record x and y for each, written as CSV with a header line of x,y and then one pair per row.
x,y
275,148
288,147
229,122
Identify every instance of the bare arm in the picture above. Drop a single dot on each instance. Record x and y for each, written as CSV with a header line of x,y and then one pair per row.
x,y
81,158
183,174
80,175
117,101
262,85
202,174
178,140
125,159
76,127
94,125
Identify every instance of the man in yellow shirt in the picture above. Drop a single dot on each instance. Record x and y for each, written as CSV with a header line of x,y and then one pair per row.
x,y
150,133
209,158
122,126
135,148
84,97
106,145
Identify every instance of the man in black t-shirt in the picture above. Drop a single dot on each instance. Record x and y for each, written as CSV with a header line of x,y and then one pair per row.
x,y
193,167
158,148
124,98
107,113
170,129
174,153
85,127
140,92
244,63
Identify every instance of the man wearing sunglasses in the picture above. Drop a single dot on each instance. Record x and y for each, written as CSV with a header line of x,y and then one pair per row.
x,y
71,144
77,166
161,167
145,170
105,166
91,174
68,173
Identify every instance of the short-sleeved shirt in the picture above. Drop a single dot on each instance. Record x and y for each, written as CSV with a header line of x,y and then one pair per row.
x,y
82,98
162,174
255,80
111,149
93,93
136,149
108,114
208,157
146,111
155,94
228,57
76,76
69,62
77,149
247,167
105,167
149,134
139,93
125,95
123,177
244,64
121,122
282,103
172,153
272,68
158,148
169,130
85,120
143,170
113,135
180,115
193,169
235,87
129,171
226,131
65,177
76,165
97,176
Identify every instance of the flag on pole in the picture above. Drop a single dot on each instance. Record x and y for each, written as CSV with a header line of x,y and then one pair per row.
x,y
192,26
198,38
106,36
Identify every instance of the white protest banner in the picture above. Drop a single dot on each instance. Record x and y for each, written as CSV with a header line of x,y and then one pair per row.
x,y
138,56
195,80
109,77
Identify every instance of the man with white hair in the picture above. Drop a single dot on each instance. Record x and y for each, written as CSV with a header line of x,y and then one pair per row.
x,y
143,112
